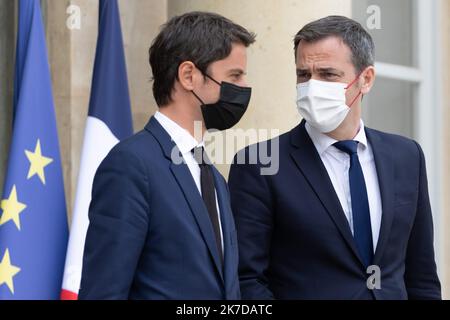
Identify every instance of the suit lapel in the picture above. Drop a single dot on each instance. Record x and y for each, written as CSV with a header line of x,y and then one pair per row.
x,y
187,185
385,171
308,161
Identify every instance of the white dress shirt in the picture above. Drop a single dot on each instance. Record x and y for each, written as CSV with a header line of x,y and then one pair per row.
x,y
337,164
185,143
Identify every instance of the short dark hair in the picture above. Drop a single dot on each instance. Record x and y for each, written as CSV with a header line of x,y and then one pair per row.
x,y
199,37
351,32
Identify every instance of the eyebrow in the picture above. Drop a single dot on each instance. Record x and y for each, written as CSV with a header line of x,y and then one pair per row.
x,y
332,70
323,70
238,71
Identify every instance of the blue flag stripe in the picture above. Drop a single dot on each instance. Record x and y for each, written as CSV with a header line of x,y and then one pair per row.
x,y
110,101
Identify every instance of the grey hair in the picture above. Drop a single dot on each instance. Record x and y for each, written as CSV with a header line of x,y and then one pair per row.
x,y
351,32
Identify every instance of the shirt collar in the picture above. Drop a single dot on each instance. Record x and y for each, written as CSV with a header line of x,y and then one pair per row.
x,y
182,138
322,142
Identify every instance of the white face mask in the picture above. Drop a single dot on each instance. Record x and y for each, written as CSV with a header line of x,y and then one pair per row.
x,y
322,104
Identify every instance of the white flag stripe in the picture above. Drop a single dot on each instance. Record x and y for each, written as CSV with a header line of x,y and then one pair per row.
x,y
98,141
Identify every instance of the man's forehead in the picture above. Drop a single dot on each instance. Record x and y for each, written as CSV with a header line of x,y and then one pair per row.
x,y
316,57
330,49
318,61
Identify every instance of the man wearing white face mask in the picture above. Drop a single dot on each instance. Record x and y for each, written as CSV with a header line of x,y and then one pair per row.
x,y
347,216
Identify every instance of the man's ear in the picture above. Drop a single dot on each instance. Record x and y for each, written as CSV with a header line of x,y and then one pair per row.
x,y
368,79
186,75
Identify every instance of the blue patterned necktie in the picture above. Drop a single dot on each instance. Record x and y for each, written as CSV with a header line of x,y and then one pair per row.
x,y
362,230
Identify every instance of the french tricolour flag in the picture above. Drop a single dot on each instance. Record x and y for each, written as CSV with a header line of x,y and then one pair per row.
x,y
109,121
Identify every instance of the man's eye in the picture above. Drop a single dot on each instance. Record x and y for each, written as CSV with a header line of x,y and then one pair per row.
x,y
329,75
302,78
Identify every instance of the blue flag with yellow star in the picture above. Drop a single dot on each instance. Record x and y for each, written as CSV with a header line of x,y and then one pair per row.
x,y
33,220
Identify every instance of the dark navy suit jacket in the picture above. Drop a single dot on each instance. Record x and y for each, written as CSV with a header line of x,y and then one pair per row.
x,y
150,236
295,241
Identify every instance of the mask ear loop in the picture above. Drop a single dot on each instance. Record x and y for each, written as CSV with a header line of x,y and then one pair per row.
x,y
208,76
350,85
353,101
198,98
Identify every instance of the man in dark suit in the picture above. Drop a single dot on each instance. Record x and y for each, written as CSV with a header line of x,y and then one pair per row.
x,y
347,215
161,225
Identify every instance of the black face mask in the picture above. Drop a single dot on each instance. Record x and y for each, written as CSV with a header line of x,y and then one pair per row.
x,y
230,108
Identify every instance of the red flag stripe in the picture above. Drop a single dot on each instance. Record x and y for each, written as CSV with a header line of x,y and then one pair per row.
x,y
68,295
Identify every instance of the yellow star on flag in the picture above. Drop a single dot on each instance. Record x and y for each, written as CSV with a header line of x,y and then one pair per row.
x,y
7,272
37,162
11,208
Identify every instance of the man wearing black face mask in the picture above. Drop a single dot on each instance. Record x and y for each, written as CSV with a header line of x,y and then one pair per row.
x,y
161,225
231,106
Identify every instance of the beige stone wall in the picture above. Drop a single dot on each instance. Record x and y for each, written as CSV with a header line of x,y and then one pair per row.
x,y
7,44
141,20
445,144
82,53
59,44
